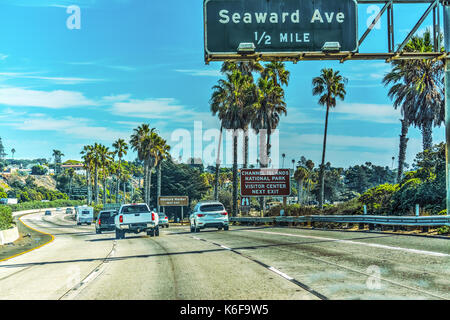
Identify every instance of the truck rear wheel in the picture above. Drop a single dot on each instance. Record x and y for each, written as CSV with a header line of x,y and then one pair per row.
x,y
151,232
157,231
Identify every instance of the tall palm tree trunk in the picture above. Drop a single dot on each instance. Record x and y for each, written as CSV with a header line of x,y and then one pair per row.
x,y
235,178
149,171
246,141
96,185
104,191
88,183
124,191
427,136
402,152
158,186
145,181
118,180
216,182
322,166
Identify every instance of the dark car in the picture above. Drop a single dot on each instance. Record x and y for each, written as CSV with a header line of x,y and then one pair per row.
x,y
105,221
48,213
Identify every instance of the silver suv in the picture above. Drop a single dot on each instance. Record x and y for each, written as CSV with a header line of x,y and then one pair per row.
x,y
209,215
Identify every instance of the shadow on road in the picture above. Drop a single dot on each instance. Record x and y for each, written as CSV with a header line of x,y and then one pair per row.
x,y
112,259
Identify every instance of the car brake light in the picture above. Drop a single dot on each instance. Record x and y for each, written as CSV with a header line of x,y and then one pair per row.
x,y
224,213
99,221
200,215
121,219
153,216
165,217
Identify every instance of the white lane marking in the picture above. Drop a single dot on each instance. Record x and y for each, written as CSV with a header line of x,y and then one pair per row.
x,y
284,275
374,245
225,247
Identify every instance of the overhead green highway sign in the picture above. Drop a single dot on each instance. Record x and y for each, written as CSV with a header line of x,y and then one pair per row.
x,y
275,26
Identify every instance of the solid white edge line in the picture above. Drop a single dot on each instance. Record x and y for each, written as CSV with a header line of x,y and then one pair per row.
x,y
375,245
284,275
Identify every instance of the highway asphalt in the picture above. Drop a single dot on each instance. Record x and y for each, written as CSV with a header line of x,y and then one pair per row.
x,y
242,263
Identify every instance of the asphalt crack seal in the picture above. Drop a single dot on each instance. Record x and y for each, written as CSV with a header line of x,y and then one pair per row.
x,y
272,269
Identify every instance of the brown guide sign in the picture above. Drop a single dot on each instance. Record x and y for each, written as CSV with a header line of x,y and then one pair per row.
x,y
265,182
173,201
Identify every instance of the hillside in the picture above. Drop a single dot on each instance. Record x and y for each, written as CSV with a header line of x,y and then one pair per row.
x,y
41,181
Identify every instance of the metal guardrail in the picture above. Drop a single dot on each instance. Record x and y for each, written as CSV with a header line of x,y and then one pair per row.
x,y
366,219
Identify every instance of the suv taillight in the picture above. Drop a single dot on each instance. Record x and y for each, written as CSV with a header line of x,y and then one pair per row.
x,y
121,219
200,215
99,221
153,216
224,213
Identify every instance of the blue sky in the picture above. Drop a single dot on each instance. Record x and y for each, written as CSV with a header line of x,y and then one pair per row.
x,y
136,61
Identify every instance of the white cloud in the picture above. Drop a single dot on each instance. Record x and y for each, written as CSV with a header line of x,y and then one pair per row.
x,y
162,108
57,80
56,99
380,113
201,72
78,128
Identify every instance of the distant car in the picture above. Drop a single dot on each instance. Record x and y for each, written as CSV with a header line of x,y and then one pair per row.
x,y
105,221
58,209
48,213
209,215
163,220
69,211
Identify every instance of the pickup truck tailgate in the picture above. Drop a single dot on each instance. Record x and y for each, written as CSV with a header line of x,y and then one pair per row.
x,y
136,218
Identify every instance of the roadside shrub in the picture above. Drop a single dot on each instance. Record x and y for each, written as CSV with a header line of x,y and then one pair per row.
x,y
443,230
352,207
379,199
42,205
6,218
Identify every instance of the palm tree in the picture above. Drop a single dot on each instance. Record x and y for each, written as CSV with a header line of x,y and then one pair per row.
x,y
87,153
269,106
417,88
12,152
137,144
71,173
121,148
300,175
283,156
162,153
276,71
329,86
57,155
231,101
105,159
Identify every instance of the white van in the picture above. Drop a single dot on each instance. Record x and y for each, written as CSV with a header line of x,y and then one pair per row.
x,y
85,214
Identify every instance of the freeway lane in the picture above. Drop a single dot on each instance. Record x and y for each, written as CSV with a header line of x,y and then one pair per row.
x,y
79,264
243,263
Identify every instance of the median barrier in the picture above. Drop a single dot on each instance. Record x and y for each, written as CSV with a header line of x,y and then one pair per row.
x,y
372,221
9,236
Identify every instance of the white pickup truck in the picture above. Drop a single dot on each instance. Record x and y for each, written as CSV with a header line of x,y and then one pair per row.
x,y
136,218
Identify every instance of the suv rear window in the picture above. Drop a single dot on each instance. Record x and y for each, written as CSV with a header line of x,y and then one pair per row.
x,y
85,212
105,214
135,209
212,207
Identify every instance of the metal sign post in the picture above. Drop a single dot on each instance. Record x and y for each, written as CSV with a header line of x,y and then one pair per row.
x,y
446,8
